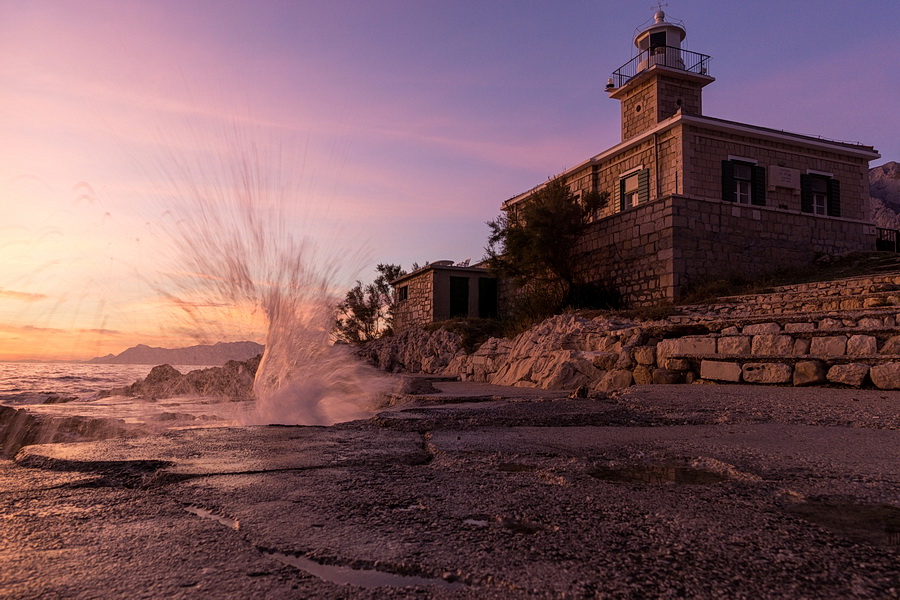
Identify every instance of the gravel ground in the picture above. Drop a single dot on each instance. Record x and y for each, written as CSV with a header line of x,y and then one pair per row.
x,y
654,492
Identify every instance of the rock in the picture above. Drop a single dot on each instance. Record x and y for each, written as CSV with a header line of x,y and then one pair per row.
x,y
676,364
871,322
791,327
615,380
801,347
887,376
732,330
758,328
417,385
809,372
862,345
892,345
772,345
643,375
829,345
605,360
665,376
852,374
686,346
645,355
738,344
829,323
720,371
767,373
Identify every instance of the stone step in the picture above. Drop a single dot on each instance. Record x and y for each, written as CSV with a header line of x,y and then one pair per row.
x,y
888,301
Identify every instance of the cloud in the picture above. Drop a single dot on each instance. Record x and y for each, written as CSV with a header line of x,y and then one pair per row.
x,y
23,296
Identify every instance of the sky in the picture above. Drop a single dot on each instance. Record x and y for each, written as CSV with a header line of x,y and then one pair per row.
x,y
384,132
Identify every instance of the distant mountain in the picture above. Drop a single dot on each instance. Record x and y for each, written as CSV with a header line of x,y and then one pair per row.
x,y
217,354
884,189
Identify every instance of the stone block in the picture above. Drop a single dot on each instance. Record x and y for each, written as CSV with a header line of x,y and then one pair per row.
x,y
853,374
767,373
829,323
645,355
801,346
676,364
643,375
625,360
791,327
730,331
686,346
887,376
720,371
734,344
892,345
862,345
758,328
835,345
809,372
871,322
772,345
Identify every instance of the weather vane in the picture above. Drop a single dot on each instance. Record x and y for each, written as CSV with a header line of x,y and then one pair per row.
x,y
660,4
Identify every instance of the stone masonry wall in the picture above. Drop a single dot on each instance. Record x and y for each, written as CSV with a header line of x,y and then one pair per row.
x,y
632,251
705,149
418,308
716,238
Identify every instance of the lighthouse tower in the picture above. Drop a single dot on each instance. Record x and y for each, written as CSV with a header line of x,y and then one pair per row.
x,y
661,81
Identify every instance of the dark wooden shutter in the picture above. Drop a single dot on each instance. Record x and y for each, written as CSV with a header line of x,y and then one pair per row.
x,y
758,191
727,181
621,195
834,198
644,186
806,200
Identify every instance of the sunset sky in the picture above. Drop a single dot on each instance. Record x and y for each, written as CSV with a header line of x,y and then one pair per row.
x,y
387,131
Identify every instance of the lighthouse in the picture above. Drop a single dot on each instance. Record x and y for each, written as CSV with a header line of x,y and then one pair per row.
x,y
662,80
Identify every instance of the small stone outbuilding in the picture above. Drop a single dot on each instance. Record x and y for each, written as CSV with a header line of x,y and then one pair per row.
x,y
443,290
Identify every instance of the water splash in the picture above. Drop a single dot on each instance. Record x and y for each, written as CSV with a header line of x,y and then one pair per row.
x,y
245,254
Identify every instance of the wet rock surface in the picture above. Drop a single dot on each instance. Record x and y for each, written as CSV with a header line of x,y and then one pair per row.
x,y
657,491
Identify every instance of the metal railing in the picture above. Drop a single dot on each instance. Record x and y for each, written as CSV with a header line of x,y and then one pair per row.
x,y
664,56
887,240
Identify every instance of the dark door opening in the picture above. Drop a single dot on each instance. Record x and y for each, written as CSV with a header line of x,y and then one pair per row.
x,y
459,297
487,298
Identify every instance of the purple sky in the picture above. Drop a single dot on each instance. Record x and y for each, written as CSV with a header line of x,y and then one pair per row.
x,y
407,122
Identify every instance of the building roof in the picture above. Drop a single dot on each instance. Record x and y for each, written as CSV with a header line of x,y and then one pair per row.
x,y
441,265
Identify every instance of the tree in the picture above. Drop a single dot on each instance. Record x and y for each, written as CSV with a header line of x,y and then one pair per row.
x,y
366,312
532,247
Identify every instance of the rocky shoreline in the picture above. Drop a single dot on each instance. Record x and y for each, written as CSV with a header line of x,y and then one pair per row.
x,y
479,491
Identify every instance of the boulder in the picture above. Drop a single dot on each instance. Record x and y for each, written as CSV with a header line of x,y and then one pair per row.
x,y
887,376
734,344
862,345
767,373
852,374
835,345
720,371
758,328
772,345
645,355
892,345
809,372
615,380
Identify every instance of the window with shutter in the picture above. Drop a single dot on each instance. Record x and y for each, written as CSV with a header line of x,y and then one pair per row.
x,y
743,182
634,189
820,195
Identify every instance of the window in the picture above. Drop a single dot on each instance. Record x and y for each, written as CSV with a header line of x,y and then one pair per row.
x,y
634,188
743,182
820,194
402,293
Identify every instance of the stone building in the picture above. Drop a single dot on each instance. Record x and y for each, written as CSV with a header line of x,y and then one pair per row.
x,y
443,290
694,197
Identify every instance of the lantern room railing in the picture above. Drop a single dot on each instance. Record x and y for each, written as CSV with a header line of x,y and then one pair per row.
x,y
664,56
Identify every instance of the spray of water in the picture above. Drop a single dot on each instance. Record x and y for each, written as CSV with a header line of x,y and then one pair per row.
x,y
244,250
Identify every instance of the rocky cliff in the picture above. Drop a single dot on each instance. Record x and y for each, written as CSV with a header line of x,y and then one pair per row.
x,y
884,189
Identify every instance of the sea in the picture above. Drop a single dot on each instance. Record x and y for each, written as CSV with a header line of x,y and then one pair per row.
x,y
77,389
28,383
